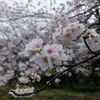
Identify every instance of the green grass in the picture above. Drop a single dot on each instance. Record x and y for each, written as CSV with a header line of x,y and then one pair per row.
x,y
53,94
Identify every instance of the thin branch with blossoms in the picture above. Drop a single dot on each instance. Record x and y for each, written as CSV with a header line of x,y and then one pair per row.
x,y
87,11
57,76
88,27
92,52
37,15
73,9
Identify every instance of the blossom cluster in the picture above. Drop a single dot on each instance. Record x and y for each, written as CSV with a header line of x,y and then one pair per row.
x,y
22,92
69,33
45,56
5,77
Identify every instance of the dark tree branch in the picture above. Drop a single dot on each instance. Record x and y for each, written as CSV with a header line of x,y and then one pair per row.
x,y
58,75
41,15
94,24
92,52
73,9
87,11
87,17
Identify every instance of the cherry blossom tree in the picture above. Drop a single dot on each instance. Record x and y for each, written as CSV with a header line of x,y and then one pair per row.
x,y
33,43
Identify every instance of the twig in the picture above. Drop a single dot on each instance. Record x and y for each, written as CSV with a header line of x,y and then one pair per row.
x,y
95,6
86,30
92,52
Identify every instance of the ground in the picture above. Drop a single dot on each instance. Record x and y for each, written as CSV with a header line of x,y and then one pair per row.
x,y
64,93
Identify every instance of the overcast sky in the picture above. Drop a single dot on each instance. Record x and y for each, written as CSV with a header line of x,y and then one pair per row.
x,y
43,3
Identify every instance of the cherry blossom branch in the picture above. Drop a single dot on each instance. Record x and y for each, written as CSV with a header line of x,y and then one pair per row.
x,y
58,75
49,15
26,16
92,52
86,30
95,6
74,8
61,73
87,17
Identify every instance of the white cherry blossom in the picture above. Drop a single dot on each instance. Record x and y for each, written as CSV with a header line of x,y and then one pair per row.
x,y
49,56
24,80
33,47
